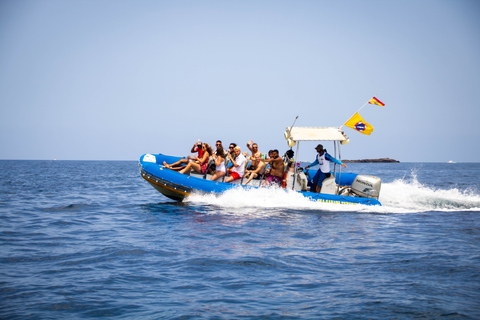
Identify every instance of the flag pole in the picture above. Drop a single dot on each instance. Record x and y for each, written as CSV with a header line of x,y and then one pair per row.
x,y
356,112
363,106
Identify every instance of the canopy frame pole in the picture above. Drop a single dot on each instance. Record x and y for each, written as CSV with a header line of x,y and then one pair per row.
x,y
339,167
290,131
295,167
335,153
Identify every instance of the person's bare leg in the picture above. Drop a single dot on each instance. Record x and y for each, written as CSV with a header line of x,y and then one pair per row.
x,y
217,175
252,176
177,168
175,165
187,168
192,165
256,173
179,162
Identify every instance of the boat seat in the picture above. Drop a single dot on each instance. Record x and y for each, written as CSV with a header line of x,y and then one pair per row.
x,y
227,162
247,163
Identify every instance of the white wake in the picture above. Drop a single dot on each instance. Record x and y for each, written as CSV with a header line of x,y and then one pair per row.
x,y
400,196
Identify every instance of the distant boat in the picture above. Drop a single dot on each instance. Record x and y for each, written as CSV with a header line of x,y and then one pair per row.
x,y
451,161
341,188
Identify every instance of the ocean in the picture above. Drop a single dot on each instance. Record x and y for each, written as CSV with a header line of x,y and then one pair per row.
x,y
92,239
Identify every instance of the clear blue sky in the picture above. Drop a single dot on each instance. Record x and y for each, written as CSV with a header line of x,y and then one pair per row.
x,y
112,80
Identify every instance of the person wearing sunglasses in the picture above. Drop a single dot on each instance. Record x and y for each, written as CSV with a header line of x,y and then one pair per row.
x,y
200,165
256,166
219,156
180,164
217,144
238,169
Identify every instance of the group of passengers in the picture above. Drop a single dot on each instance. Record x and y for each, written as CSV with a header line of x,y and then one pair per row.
x,y
259,165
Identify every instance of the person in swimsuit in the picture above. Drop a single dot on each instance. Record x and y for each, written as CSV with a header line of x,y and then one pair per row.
x,y
219,157
268,166
257,166
200,165
275,176
180,164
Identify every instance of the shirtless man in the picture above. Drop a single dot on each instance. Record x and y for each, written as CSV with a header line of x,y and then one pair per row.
x,y
275,175
257,166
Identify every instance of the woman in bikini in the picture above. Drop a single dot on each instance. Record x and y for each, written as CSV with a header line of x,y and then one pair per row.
x,y
180,164
219,164
200,164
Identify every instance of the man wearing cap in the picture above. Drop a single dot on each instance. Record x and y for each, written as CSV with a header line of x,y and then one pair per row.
x,y
323,160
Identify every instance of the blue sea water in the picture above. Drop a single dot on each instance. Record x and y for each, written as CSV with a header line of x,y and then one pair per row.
x,y
91,239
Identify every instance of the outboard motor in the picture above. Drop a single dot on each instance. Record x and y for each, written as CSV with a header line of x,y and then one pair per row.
x,y
366,186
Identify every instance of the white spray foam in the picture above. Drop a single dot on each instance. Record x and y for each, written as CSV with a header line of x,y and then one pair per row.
x,y
249,201
400,196
414,196
267,198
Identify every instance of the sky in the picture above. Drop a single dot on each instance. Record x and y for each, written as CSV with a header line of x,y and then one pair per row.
x,y
112,80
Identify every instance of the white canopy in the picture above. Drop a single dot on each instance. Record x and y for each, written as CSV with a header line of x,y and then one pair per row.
x,y
315,134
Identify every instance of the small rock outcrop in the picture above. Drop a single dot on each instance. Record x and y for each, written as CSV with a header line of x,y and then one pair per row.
x,y
380,160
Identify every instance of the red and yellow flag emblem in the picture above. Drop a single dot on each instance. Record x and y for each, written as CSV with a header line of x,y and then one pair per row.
x,y
377,102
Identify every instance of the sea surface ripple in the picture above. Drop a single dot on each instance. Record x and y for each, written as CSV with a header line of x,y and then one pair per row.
x,y
91,239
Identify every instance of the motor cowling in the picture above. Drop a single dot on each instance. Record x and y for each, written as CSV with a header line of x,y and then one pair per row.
x,y
366,186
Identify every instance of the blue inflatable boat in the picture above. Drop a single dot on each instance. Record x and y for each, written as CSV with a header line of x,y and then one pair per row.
x,y
340,188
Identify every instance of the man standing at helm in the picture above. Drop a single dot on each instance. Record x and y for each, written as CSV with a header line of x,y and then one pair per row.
x,y
323,160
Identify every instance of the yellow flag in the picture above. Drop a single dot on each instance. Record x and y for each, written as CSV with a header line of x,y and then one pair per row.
x,y
357,123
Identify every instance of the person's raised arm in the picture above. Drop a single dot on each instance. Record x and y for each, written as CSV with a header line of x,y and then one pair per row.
x,y
195,147
249,145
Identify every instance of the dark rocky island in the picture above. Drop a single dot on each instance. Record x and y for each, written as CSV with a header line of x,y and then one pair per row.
x,y
381,160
